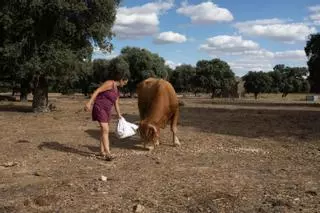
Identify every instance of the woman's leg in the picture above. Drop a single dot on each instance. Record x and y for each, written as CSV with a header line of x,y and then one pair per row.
x,y
104,142
102,149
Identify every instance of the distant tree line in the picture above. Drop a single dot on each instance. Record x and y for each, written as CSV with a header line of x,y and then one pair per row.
x,y
207,76
282,79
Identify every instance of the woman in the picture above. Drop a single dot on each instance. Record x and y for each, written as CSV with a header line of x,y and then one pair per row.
x,y
103,99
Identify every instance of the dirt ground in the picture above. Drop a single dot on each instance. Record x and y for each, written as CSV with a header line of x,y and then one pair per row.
x,y
234,157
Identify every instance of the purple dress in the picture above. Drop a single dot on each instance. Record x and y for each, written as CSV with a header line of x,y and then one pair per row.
x,y
103,104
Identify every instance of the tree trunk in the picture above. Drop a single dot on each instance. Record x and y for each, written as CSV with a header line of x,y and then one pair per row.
x,y
85,90
23,96
255,96
24,89
13,88
213,93
40,95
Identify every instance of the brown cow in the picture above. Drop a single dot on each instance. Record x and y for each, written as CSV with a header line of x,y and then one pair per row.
x,y
158,105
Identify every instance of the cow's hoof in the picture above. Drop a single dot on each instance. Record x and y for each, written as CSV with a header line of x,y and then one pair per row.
x,y
176,142
150,148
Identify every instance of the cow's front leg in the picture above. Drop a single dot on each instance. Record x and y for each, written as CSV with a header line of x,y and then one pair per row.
x,y
174,129
175,138
176,141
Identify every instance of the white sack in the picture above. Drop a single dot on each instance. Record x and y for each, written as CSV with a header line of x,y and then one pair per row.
x,y
125,129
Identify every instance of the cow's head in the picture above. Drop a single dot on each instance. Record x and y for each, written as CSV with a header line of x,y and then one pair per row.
x,y
148,132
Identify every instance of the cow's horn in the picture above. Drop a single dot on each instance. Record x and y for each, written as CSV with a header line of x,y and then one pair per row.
x,y
154,128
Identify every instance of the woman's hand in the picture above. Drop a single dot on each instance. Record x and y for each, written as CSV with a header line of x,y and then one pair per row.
x,y
119,116
87,107
118,109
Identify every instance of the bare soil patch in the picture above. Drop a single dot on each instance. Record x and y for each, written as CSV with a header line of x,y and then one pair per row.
x,y
233,158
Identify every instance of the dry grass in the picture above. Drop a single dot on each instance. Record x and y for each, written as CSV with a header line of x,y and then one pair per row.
x,y
234,157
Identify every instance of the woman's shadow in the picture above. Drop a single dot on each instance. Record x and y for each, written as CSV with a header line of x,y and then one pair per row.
x,y
128,143
132,142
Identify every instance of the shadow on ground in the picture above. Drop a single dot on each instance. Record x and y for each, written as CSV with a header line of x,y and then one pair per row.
x,y
132,118
280,125
15,108
239,102
126,143
254,123
53,145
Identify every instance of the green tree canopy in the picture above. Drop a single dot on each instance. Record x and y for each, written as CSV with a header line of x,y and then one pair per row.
x,y
312,50
218,74
182,78
257,82
118,67
100,70
50,38
289,79
143,64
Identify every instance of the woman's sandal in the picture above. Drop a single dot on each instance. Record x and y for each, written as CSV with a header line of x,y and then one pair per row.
x,y
109,157
105,156
101,154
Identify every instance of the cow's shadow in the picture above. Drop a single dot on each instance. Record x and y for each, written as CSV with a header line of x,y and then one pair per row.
x,y
134,142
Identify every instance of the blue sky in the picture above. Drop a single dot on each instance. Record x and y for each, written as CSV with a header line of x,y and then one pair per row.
x,y
249,35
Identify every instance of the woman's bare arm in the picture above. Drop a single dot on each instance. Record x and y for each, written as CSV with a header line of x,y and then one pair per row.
x,y
118,108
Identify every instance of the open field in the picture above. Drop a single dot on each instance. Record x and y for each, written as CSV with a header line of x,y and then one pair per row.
x,y
245,156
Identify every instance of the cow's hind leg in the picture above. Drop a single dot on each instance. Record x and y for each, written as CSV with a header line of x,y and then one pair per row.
x,y
174,129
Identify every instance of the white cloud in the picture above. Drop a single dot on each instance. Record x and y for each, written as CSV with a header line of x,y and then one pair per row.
x,y
276,29
291,55
140,21
315,14
246,55
236,45
170,37
225,44
315,8
283,55
242,66
172,64
264,60
205,12
258,54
